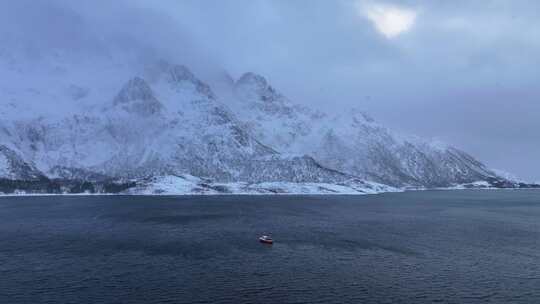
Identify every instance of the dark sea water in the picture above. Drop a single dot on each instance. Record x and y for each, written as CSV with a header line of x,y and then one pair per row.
x,y
415,247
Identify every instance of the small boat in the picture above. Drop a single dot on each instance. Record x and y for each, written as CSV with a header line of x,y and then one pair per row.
x,y
266,239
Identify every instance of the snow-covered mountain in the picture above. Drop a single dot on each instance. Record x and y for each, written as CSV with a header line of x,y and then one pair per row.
x,y
95,102
63,126
350,142
165,123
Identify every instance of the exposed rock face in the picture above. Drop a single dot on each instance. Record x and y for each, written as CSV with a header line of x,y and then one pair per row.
x,y
137,97
13,167
179,74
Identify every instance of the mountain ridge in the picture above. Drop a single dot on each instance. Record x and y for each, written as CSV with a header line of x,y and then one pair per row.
x,y
352,141
166,122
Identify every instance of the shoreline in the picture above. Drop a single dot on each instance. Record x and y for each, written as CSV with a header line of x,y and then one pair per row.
x,y
249,194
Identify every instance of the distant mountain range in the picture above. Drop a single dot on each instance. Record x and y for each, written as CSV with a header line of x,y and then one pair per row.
x,y
64,129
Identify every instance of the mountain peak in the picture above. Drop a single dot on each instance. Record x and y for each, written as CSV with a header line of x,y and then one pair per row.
x,y
252,79
136,96
256,93
179,74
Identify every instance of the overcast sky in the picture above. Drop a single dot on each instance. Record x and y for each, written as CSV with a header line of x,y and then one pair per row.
x,y
465,72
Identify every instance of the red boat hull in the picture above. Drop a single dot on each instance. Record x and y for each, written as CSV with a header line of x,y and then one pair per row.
x,y
266,241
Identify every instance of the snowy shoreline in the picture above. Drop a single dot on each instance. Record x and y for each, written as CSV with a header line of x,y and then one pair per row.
x,y
251,194
188,185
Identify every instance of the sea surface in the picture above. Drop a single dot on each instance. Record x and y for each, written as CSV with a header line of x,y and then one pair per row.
x,y
415,247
